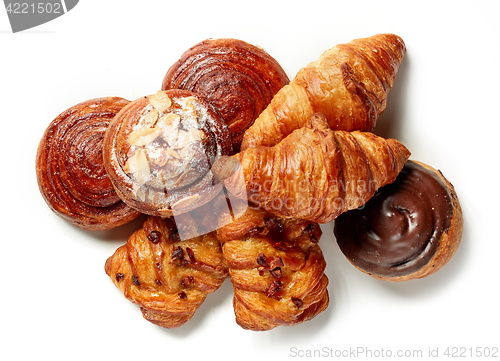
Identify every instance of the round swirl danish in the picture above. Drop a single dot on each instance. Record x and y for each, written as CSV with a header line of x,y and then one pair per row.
x,y
238,78
409,229
70,170
159,150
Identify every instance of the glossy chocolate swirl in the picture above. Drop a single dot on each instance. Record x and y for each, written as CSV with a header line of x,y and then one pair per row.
x,y
397,232
238,78
70,170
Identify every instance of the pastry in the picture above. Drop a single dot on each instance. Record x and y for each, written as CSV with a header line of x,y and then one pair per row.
x,y
315,173
167,277
276,267
159,149
349,83
238,78
70,171
409,229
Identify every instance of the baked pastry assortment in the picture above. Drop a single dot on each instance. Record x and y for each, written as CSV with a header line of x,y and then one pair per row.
x,y
238,78
236,167
159,150
70,170
409,229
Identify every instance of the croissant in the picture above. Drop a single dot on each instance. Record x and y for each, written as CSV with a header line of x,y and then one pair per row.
x,y
315,173
238,78
276,267
349,83
70,171
167,277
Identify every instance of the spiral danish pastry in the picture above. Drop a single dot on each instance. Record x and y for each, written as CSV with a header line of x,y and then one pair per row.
x,y
70,171
238,78
409,229
158,152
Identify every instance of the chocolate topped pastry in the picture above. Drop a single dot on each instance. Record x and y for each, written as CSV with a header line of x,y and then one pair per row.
x,y
409,229
158,152
238,78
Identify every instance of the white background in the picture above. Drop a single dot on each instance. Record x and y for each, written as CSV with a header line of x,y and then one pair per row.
x,y
58,304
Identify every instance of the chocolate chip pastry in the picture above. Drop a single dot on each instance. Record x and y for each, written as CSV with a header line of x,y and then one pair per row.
x,y
408,230
276,267
168,277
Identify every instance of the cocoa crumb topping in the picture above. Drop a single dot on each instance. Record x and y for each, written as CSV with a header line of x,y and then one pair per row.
x,y
119,277
154,237
274,287
297,302
135,280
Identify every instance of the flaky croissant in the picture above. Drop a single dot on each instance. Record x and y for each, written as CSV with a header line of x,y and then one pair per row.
x,y
276,268
349,83
315,173
167,277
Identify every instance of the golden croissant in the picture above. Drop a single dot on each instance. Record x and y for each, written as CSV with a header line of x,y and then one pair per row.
x,y
315,173
349,83
276,268
168,278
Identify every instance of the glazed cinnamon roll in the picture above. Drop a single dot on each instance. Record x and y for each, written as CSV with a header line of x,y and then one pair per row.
x,y
409,229
70,171
238,78
158,152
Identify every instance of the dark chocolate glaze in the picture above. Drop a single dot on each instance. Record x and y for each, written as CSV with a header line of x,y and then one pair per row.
x,y
397,232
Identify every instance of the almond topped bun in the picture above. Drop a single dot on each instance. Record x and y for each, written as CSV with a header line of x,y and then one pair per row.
x,y
159,150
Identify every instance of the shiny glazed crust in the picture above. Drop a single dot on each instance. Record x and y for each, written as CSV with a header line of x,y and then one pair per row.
x,y
238,78
315,173
70,171
448,243
167,277
276,268
180,143
349,83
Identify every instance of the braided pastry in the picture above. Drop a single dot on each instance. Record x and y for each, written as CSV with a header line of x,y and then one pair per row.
x,y
276,268
238,78
315,173
167,277
70,171
349,83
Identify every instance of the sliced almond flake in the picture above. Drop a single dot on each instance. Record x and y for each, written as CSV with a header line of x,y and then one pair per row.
x,y
160,101
151,117
185,202
147,138
197,134
141,194
182,141
142,170
173,153
169,120
138,133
